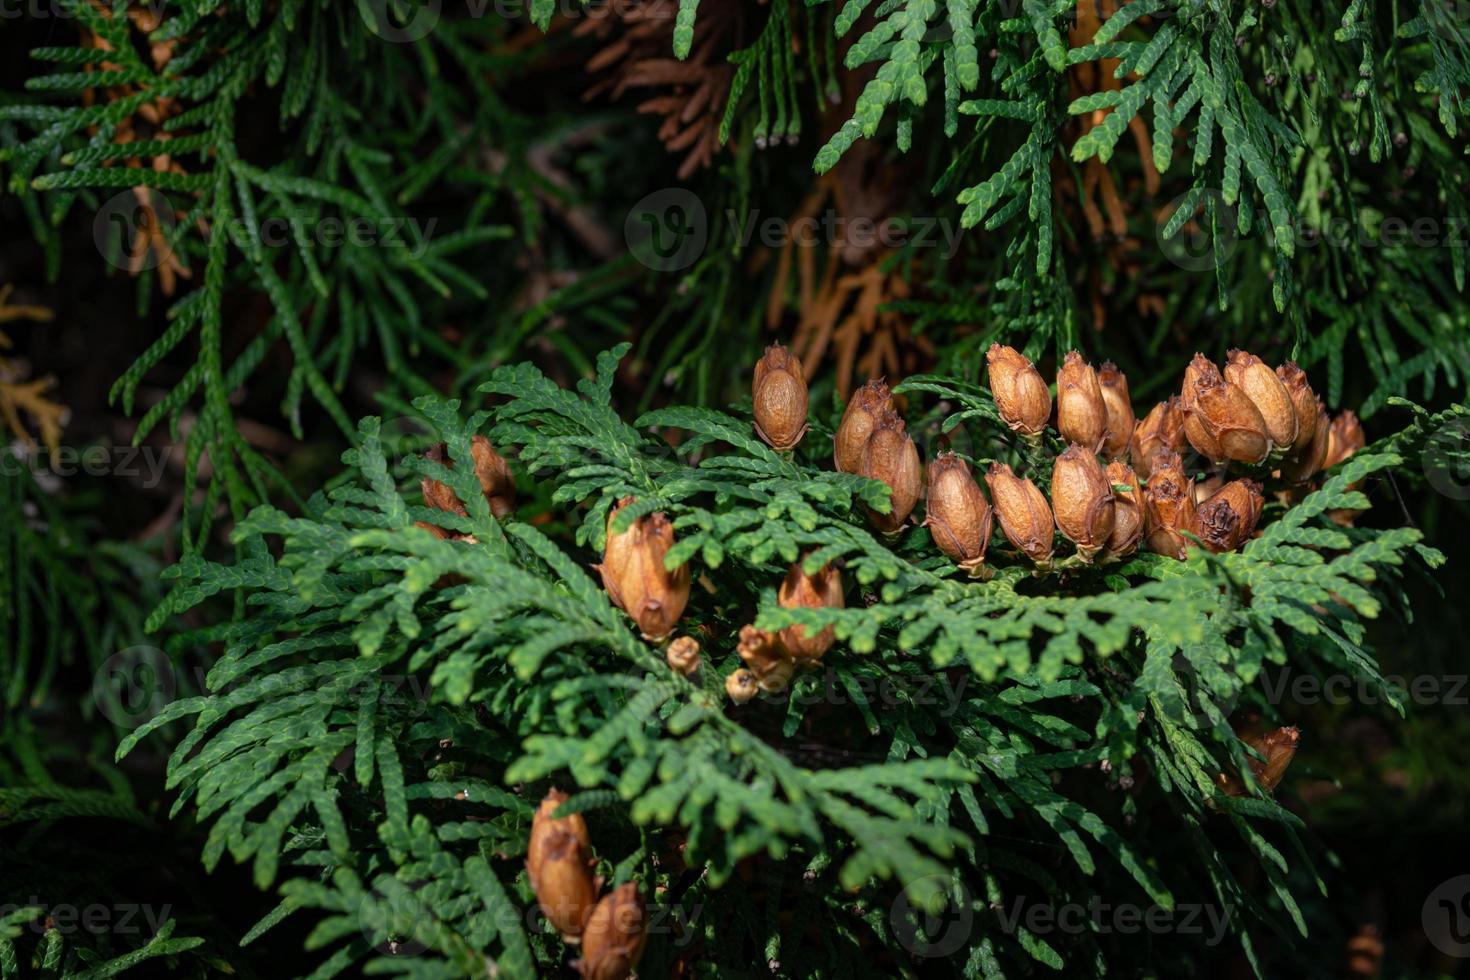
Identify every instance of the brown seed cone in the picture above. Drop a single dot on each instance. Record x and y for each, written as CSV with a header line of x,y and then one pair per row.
x,y
802,591
1161,430
778,392
867,407
616,932
683,655
1024,515
1020,394
1278,747
741,686
1220,420
1082,415
1127,511
1168,506
890,456
1265,390
634,575
1228,518
1082,500
775,680
761,651
1303,402
494,474
956,513
1119,409
1344,438
1302,464
544,826
1365,953
1204,489
561,872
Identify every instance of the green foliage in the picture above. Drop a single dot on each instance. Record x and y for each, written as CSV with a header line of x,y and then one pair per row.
x,y
67,600
384,707
230,220
380,725
66,865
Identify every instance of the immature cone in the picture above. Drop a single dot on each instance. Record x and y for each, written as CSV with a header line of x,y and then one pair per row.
x,y
560,867
1025,518
496,481
1020,394
1161,430
1302,464
1265,390
957,514
1168,506
891,456
1082,415
802,591
544,826
683,655
1220,420
867,407
1228,518
1344,438
1119,408
1303,403
1278,747
741,686
1127,511
778,392
634,575
761,651
615,935
1082,499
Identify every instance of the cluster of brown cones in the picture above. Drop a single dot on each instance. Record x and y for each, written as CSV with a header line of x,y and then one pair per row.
x,y
496,482
636,579
1120,484
612,929
772,659
1247,415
